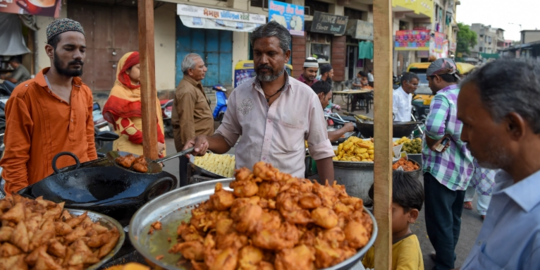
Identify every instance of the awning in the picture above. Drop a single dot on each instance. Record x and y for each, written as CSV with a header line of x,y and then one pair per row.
x,y
489,55
209,18
11,39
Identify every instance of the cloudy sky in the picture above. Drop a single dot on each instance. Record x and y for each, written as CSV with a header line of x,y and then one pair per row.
x,y
505,14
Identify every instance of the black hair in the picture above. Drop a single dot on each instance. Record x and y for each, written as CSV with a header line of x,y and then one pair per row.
x,y
363,74
15,59
407,191
408,76
273,29
449,78
522,77
370,70
54,41
321,87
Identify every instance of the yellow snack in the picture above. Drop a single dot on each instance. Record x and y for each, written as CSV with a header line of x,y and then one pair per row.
x,y
218,164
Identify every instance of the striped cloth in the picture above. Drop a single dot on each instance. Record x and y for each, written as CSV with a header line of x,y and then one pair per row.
x,y
454,167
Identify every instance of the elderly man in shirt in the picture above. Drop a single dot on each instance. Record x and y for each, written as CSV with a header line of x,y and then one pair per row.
x,y
311,67
191,115
273,113
502,131
402,97
447,171
51,113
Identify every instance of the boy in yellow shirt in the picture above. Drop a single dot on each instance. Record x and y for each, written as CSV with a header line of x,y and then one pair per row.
x,y
407,200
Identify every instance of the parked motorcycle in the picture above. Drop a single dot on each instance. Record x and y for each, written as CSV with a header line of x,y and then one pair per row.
x,y
221,102
166,110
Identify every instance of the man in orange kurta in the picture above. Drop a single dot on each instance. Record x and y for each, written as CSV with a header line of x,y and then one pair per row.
x,y
51,113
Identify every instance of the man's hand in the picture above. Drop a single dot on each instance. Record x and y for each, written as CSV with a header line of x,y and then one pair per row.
x,y
160,148
200,145
433,143
348,127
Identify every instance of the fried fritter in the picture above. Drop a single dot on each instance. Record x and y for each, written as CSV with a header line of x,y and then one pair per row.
x,y
126,161
299,258
272,220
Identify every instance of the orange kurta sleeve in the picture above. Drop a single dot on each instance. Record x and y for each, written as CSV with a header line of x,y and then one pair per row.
x,y
92,154
17,139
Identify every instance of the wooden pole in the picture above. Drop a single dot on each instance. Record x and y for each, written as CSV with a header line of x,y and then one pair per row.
x,y
148,78
382,26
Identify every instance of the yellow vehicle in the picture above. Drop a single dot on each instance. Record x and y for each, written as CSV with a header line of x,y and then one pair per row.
x,y
244,70
423,95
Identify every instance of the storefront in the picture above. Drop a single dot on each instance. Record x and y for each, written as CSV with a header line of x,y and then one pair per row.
x,y
209,33
359,47
327,43
17,24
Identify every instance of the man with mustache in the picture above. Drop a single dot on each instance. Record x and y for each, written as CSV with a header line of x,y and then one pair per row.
x,y
501,129
51,113
272,114
309,76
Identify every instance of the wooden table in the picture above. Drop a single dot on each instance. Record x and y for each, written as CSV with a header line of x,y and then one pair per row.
x,y
349,94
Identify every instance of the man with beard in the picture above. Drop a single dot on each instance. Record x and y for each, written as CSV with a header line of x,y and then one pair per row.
x,y
51,113
309,77
501,129
272,114
447,164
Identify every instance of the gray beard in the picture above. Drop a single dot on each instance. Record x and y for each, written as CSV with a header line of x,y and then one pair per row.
x,y
270,78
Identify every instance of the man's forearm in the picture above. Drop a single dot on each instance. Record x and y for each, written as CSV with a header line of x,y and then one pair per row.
x,y
325,167
336,134
218,144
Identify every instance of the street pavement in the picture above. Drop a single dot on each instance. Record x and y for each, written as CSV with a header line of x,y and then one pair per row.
x,y
470,226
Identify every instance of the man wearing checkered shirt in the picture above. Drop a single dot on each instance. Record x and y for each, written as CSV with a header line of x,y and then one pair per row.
x,y
447,168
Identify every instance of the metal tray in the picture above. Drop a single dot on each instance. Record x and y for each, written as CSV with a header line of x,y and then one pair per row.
x,y
174,207
107,222
202,171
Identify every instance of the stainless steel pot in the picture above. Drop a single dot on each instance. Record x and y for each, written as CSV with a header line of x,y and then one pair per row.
x,y
174,207
357,177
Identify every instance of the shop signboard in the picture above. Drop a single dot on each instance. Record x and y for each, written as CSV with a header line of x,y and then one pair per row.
x,y
412,40
328,23
361,30
289,15
49,8
209,18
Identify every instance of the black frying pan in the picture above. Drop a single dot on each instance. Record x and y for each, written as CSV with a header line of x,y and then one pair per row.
x,y
101,186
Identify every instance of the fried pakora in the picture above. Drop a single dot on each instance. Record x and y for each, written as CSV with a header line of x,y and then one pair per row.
x,y
271,220
126,161
40,234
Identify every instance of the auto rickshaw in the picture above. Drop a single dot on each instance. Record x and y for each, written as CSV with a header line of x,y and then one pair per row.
x,y
423,94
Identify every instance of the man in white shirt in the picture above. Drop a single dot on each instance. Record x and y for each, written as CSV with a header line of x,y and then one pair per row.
x,y
370,78
403,97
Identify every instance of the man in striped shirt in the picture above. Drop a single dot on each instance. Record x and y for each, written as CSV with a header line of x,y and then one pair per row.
x,y
447,164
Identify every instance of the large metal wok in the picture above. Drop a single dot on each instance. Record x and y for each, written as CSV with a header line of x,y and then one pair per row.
x,y
174,207
399,129
101,186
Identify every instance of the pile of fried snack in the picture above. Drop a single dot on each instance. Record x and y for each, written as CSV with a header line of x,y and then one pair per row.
x,y
406,165
139,164
39,234
274,221
219,164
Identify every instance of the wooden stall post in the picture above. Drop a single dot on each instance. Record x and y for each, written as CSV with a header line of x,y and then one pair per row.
x,y
148,78
382,27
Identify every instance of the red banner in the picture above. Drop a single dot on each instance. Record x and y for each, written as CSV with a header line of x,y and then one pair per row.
x,y
49,8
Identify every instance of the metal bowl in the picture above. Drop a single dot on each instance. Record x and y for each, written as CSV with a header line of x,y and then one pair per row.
x,y
174,207
108,223
201,171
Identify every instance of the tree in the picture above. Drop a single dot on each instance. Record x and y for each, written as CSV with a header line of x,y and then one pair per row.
x,y
466,38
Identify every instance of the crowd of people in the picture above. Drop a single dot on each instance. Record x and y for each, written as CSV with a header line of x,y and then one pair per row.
x,y
475,127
